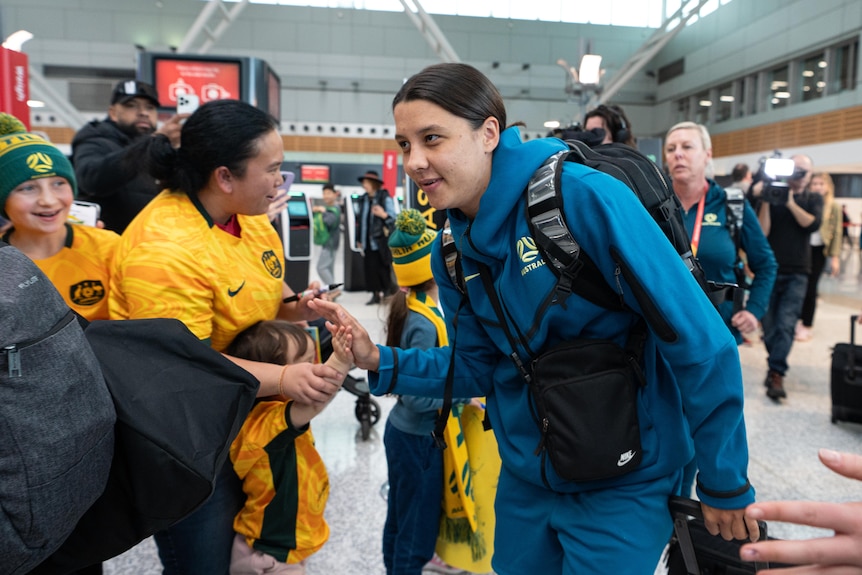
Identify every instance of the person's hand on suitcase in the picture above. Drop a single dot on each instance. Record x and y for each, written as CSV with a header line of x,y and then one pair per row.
x,y
730,523
841,553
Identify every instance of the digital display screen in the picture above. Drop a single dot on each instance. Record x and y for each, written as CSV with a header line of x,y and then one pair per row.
x,y
297,207
208,79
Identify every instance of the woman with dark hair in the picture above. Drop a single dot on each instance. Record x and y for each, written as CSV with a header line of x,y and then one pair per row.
x,y
450,123
613,122
204,252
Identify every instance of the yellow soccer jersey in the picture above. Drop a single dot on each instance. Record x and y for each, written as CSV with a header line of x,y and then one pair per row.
x,y
173,262
81,270
285,483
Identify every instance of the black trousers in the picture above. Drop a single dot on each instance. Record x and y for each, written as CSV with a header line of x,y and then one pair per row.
x,y
809,304
378,270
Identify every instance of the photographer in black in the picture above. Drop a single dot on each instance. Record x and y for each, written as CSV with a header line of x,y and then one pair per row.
x,y
788,213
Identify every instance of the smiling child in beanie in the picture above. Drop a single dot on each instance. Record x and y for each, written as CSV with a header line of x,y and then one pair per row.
x,y
37,188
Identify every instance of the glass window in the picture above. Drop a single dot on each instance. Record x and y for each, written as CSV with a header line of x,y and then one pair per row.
x,y
703,104
813,77
682,114
844,67
779,88
724,106
745,86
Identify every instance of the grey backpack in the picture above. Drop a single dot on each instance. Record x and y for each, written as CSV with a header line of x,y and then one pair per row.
x,y
56,417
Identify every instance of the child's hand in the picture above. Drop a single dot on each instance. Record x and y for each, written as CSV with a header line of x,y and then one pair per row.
x,y
342,340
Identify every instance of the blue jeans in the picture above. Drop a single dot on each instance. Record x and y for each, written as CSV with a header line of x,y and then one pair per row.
x,y
415,493
779,322
200,544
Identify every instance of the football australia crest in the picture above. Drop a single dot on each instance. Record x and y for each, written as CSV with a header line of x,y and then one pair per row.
x,y
87,292
272,263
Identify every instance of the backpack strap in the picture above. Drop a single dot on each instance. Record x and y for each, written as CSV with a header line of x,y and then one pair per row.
x,y
452,258
574,269
735,209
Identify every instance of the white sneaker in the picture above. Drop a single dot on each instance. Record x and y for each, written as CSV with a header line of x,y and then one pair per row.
x,y
437,565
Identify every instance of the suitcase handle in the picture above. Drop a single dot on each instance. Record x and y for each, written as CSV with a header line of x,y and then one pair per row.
x,y
681,508
851,371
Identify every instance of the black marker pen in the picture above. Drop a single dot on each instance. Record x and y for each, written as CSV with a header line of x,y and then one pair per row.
x,y
299,296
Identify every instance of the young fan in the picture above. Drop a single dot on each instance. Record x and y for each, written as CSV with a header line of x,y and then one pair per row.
x,y
415,464
285,482
37,188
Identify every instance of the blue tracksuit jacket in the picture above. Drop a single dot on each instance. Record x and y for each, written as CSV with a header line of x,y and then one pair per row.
x,y
693,399
717,252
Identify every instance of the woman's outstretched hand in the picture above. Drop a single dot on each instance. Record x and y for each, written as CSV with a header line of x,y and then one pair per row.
x,y
365,352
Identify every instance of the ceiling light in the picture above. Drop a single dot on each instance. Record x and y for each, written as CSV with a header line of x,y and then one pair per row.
x,y
726,98
784,95
808,73
15,40
36,103
705,103
590,69
552,124
822,64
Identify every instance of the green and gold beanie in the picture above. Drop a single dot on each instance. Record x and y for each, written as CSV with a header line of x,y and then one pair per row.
x,y
25,156
410,244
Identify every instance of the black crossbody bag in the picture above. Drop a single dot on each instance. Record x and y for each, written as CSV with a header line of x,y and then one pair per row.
x,y
585,393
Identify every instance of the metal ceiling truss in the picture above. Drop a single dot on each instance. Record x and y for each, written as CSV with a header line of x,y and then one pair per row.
x,y
664,34
429,29
201,27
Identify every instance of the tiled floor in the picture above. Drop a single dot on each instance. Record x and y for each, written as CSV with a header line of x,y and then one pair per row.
x,y
783,442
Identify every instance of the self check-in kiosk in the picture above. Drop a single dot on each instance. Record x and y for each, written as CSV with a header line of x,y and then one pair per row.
x,y
294,226
354,272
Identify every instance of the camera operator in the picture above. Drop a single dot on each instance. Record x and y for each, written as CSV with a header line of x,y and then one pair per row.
x,y
788,213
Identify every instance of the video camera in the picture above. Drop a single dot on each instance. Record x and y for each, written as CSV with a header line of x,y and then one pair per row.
x,y
776,173
592,138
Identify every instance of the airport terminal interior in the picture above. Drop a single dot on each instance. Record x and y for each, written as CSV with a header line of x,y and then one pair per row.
x,y
762,75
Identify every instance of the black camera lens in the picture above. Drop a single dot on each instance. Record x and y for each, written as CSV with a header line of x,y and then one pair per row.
x,y
798,174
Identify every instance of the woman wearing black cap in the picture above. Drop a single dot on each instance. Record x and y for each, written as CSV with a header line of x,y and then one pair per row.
x,y
376,218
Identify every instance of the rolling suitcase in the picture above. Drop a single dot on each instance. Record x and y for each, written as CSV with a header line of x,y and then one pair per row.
x,y
847,379
694,551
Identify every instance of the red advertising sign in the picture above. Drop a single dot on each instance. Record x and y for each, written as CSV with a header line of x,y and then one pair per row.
x,y
390,170
14,85
209,80
312,173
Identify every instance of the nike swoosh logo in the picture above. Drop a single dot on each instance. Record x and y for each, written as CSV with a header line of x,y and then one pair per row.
x,y
625,458
469,277
233,292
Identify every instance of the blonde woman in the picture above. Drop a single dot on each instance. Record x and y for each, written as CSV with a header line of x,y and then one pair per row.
x,y
825,249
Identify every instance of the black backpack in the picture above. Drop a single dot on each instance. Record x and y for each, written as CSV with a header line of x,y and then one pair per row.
x,y
56,417
179,405
545,215
574,269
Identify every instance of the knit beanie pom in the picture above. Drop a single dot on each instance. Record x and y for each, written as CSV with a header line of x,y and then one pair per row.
x,y
9,124
410,244
410,222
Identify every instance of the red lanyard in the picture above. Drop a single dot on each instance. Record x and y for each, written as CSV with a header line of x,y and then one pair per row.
x,y
698,223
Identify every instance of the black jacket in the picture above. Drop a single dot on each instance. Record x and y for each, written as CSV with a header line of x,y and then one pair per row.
x,y
120,187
